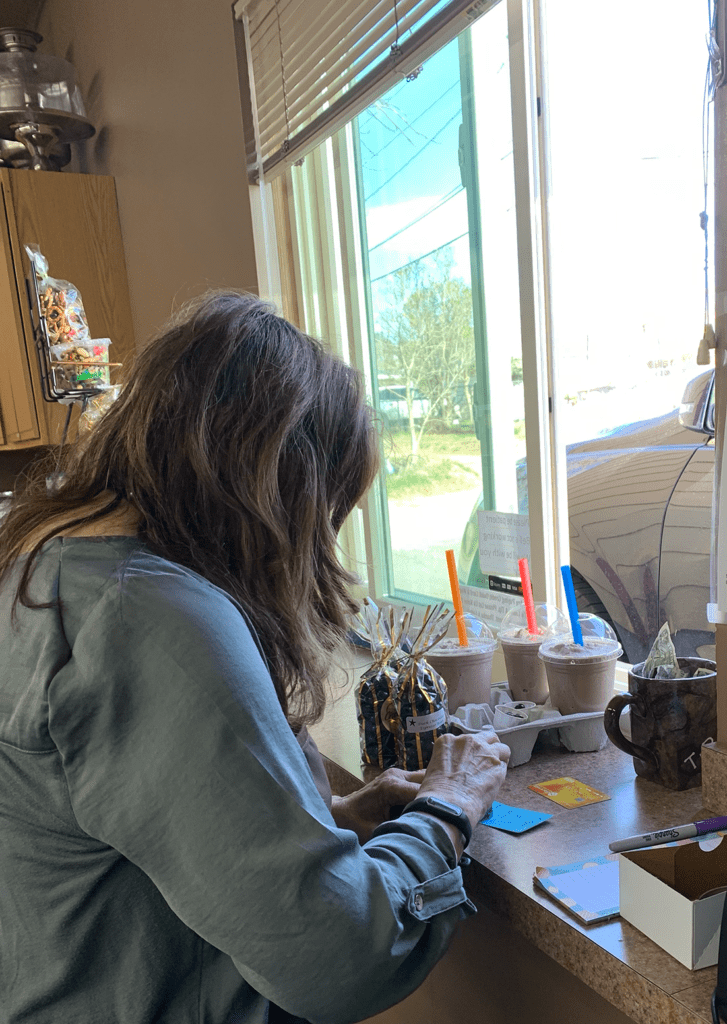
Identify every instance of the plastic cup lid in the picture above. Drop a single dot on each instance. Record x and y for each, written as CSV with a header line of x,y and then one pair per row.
x,y
566,649
550,620
520,635
450,647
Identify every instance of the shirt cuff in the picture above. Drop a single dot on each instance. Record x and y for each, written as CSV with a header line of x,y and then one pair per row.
x,y
424,827
435,891
437,895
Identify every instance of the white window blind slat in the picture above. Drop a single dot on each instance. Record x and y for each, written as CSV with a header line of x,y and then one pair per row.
x,y
323,54
315,64
321,88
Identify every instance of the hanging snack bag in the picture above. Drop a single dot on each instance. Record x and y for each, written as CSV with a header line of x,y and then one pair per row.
x,y
97,407
60,303
419,713
76,360
378,685
76,365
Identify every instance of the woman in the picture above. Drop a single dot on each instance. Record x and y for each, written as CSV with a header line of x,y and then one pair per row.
x,y
168,612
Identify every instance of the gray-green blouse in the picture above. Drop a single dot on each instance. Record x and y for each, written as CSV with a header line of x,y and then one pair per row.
x,y
165,855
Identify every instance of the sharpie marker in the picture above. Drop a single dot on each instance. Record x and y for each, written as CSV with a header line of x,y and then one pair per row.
x,y
669,835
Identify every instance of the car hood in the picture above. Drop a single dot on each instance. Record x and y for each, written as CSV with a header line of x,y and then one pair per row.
x,y
660,432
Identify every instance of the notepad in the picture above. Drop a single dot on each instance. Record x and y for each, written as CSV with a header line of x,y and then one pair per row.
x,y
587,889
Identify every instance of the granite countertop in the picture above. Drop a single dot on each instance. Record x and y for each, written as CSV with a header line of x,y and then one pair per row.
x,y
613,958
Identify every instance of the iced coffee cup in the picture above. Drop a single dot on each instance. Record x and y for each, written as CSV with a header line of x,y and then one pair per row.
x,y
581,678
467,671
526,676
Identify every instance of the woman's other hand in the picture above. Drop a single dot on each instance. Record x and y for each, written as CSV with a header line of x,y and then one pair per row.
x,y
375,802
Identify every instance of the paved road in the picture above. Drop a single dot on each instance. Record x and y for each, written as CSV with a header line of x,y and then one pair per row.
x,y
421,530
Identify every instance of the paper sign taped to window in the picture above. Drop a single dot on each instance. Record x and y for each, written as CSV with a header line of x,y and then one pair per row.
x,y
504,540
489,605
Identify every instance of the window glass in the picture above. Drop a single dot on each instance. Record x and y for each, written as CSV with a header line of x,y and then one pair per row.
x,y
406,239
437,217
627,286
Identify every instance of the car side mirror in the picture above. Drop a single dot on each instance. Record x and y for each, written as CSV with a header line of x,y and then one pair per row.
x,y
697,409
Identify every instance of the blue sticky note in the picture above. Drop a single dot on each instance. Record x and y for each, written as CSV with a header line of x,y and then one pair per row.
x,y
513,819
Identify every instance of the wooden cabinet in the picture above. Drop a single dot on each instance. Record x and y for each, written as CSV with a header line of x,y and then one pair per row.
x,y
73,219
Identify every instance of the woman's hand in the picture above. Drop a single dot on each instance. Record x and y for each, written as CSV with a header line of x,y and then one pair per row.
x,y
467,770
363,810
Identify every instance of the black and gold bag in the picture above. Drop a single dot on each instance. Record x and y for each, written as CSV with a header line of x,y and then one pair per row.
x,y
378,685
420,706
401,701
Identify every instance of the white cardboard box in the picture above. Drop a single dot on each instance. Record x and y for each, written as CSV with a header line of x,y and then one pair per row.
x,y
664,892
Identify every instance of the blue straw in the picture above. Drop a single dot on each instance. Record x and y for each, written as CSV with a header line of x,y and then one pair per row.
x,y
570,596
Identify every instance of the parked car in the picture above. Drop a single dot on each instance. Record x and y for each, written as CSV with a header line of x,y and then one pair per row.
x,y
639,511
393,407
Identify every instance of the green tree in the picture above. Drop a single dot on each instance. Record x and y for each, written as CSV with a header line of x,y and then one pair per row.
x,y
426,343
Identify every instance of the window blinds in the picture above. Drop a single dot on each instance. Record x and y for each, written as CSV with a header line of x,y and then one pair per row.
x,y
314,64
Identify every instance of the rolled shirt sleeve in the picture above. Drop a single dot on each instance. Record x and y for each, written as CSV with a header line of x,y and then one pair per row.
x,y
177,754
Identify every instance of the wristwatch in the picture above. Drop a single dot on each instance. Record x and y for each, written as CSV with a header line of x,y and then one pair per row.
x,y
445,810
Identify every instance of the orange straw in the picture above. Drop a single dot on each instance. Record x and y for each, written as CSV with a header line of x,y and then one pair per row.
x,y
456,599
528,595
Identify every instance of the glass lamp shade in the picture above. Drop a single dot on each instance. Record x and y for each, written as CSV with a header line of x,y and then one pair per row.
x,y
40,103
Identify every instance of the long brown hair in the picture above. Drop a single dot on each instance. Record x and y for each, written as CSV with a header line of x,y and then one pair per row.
x,y
243,445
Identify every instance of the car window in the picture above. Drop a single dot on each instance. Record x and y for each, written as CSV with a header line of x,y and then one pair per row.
x,y
709,418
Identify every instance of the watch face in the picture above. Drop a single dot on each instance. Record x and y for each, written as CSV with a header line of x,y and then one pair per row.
x,y
444,804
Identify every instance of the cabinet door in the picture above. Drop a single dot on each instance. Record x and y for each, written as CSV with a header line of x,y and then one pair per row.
x,y
19,423
73,219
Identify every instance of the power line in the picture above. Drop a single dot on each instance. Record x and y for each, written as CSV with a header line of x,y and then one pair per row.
x,y
450,195
404,166
410,124
419,258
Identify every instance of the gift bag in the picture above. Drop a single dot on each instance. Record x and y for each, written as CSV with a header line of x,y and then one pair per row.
x,y
401,701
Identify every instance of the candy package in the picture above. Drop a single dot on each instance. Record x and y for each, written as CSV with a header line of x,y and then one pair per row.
x,y
421,697
401,702
378,684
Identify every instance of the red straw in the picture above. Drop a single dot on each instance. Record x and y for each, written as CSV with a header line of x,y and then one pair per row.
x,y
528,596
456,599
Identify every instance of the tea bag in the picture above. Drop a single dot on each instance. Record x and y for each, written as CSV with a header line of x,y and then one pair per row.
x,y
662,661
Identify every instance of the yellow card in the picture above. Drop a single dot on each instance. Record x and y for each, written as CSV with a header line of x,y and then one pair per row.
x,y
569,792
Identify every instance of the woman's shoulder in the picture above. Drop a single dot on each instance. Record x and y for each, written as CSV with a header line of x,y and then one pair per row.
x,y
121,579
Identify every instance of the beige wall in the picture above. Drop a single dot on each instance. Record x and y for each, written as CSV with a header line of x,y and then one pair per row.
x,y
160,83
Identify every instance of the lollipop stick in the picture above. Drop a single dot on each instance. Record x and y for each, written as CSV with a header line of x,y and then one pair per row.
x,y
528,596
570,595
456,599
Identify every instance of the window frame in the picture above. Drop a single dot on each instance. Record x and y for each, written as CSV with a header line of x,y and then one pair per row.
x,y
364,539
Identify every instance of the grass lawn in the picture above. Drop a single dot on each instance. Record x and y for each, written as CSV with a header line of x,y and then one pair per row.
x,y
445,463
398,446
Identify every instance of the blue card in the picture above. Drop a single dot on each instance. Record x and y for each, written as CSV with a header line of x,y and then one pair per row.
x,y
513,819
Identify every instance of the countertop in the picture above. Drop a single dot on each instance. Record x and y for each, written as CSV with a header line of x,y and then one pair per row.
x,y
613,958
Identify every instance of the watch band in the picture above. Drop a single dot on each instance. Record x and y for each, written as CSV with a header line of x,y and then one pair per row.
x,y
445,810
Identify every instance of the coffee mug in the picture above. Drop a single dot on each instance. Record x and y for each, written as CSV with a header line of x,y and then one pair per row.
x,y
670,720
